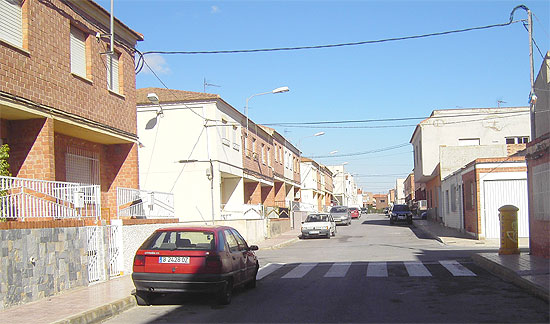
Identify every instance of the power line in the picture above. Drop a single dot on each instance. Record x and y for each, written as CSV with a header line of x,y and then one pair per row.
x,y
361,153
325,124
278,49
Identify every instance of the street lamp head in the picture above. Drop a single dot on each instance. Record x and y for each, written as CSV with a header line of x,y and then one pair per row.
x,y
281,90
345,163
319,134
153,98
333,152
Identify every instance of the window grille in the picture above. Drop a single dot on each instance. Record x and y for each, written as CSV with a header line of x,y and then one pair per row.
x,y
82,166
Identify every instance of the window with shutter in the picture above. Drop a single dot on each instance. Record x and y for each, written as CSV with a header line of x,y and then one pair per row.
x,y
78,52
112,72
11,22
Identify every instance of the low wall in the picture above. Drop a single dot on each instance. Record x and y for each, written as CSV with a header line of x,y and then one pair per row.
x,y
38,263
277,226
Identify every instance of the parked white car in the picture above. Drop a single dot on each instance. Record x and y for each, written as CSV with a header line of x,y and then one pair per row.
x,y
318,225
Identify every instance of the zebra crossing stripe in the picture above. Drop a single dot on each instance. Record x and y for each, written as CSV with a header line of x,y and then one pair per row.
x,y
338,270
267,270
417,269
457,269
377,269
300,271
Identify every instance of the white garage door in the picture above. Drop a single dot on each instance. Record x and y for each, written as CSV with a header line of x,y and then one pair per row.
x,y
498,193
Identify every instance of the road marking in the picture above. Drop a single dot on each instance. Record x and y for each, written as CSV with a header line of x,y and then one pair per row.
x,y
417,269
377,269
300,271
457,269
267,270
338,270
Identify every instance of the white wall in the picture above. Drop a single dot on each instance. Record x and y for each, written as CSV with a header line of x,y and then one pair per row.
x,y
454,217
452,158
447,130
181,135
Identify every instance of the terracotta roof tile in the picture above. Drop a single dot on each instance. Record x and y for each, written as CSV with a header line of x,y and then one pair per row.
x,y
171,95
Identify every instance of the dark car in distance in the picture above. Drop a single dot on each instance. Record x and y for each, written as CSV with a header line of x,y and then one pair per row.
x,y
206,259
400,213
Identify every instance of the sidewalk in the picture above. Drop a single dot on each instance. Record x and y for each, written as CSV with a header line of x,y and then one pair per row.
x,y
526,271
100,301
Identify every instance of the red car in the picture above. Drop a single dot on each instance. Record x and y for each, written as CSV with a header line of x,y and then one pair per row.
x,y
355,212
211,259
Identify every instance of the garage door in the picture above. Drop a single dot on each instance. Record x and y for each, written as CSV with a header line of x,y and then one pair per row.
x,y
498,193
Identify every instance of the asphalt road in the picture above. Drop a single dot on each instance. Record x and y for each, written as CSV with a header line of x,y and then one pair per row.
x,y
370,272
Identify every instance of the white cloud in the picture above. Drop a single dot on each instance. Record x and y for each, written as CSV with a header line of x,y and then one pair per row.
x,y
157,63
215,10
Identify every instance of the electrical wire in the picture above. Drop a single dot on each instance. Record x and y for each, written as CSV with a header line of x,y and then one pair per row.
x,y
362,153
289,124
278,49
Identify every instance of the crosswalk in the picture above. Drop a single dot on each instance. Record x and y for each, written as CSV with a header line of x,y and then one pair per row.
x,y
369,269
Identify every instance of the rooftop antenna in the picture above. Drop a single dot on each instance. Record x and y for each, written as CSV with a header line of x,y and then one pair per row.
x,y
206,84
500,101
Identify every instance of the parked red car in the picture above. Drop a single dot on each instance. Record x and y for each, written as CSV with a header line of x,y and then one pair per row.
x,y
211,259
355,212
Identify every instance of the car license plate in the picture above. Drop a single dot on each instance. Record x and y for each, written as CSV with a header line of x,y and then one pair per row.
x,y
313,232
174,259
401,217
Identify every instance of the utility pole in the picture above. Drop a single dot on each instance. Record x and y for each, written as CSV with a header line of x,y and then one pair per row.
x,y
532,94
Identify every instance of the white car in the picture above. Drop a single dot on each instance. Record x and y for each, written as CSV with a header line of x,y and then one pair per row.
x,y
317,225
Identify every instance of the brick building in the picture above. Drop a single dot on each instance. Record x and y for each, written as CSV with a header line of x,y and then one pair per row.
x,y
538,164
67,109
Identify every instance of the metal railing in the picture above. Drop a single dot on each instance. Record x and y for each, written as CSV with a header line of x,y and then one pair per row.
x,y
146,204
244,211
22,198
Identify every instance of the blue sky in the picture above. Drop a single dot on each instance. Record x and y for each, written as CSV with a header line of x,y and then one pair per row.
x,y
388,80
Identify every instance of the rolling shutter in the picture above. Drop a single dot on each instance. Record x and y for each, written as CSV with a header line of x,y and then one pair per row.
x,y
112,72
11,25
78,52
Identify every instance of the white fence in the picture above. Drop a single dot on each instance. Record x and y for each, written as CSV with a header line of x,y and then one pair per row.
x,y
29,198
137,203
244,211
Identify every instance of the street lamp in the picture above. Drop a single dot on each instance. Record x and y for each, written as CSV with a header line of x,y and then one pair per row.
x,y
274,91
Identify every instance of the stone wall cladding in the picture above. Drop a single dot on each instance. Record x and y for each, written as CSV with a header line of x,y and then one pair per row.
x,y
60,263
41,71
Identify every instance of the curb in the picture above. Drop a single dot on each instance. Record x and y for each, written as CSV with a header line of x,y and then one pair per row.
x,y
101,313
510,276
280,245
427,232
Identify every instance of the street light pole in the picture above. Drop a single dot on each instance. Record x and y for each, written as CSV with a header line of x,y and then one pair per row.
x,y
274,91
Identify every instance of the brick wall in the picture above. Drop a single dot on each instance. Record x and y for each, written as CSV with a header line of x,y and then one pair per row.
x,y
268,196
252,193
41,71
471,219
31,148
539,208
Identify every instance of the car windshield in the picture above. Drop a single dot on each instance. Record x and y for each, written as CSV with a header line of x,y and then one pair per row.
x,y
338,210
353,209
180,240
317,218
400,208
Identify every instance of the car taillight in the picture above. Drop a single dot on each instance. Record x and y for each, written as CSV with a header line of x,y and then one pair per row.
x,y
139,260
213,264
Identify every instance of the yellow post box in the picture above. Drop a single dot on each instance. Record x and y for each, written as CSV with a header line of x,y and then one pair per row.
x,y
508,216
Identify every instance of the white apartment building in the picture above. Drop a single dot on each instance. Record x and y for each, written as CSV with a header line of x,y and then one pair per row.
x,y
399,191
191,146
450,139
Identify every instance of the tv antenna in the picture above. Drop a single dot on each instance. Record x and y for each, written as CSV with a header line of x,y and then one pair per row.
x,y
206,84
500,101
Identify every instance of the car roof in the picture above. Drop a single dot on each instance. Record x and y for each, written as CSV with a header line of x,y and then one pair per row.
x,y
213,228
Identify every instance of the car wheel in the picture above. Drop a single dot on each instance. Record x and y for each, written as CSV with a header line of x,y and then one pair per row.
x,y
391,221
143,298
334,232
409,221
225,294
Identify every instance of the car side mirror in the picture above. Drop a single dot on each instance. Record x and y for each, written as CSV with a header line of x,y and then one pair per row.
x,y
253,248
